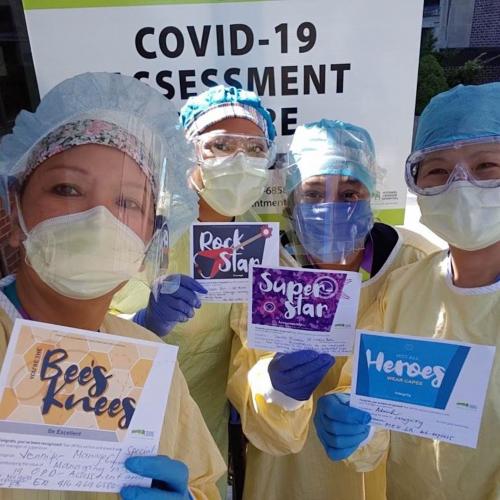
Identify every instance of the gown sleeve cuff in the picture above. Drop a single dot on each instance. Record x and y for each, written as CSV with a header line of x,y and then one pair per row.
x,y
368,438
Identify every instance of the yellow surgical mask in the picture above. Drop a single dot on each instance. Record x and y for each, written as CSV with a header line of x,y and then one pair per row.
x,y
232,185
465,215
84,255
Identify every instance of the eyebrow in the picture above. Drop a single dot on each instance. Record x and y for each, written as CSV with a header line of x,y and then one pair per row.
x,y
134,184
142,186
351,181
488,151
67,167
437,158
472,155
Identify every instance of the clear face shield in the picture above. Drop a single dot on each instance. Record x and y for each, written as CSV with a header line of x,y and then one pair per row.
x,y
232,170
433,171
92,208
330,217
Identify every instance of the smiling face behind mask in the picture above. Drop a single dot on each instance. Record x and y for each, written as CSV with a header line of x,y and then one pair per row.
x,y
229,185
85,218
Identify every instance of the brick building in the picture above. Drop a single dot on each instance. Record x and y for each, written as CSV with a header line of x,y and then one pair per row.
x,y
471,28
485,30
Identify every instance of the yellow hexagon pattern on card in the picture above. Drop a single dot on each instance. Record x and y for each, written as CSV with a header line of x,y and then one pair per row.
x,y
9,403
26,340
24,413
82,420
76,347
123,356
94,359
29,390
127,364
140,371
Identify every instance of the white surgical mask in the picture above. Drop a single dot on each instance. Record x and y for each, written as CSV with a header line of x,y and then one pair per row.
x,y
232,185
84,255
465,215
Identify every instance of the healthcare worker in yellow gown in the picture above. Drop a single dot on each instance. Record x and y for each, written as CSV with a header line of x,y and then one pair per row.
x,y
233,137
453,294
329,183
91,172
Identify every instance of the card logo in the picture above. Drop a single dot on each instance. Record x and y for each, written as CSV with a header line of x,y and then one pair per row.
x,y
416,372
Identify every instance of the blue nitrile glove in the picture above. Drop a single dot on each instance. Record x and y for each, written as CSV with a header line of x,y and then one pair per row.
x,y
298,373
171,308
340,428
170,479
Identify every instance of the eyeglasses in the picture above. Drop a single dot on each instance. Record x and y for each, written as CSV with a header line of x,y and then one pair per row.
x,y
219,145
432,171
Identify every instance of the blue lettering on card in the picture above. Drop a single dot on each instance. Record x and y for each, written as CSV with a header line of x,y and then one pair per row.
x,y
407,370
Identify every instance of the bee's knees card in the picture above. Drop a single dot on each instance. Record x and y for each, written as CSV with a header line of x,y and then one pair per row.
x,y
75,404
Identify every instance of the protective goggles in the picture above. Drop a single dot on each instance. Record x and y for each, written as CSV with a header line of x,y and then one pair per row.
x,y
432,171
222,145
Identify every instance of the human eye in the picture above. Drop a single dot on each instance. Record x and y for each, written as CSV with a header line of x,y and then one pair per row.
x,y
351,190
487,165
312,196
350,195
487,170
219,147
434,171
257,148
66,190
129,204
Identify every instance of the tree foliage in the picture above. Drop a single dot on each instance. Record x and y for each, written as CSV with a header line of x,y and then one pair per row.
x,y
468,73
434,76
431,81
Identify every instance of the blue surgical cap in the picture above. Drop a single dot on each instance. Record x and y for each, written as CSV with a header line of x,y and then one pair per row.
x,y
133,106
464,113
218,103
331,147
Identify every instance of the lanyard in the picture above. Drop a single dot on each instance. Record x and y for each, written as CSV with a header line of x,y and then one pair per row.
x,y
365,268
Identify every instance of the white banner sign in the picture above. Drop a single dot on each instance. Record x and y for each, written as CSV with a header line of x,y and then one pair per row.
x,y
354,61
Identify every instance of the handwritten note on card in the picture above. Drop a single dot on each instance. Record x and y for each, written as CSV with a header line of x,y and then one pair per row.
x,y
75,404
